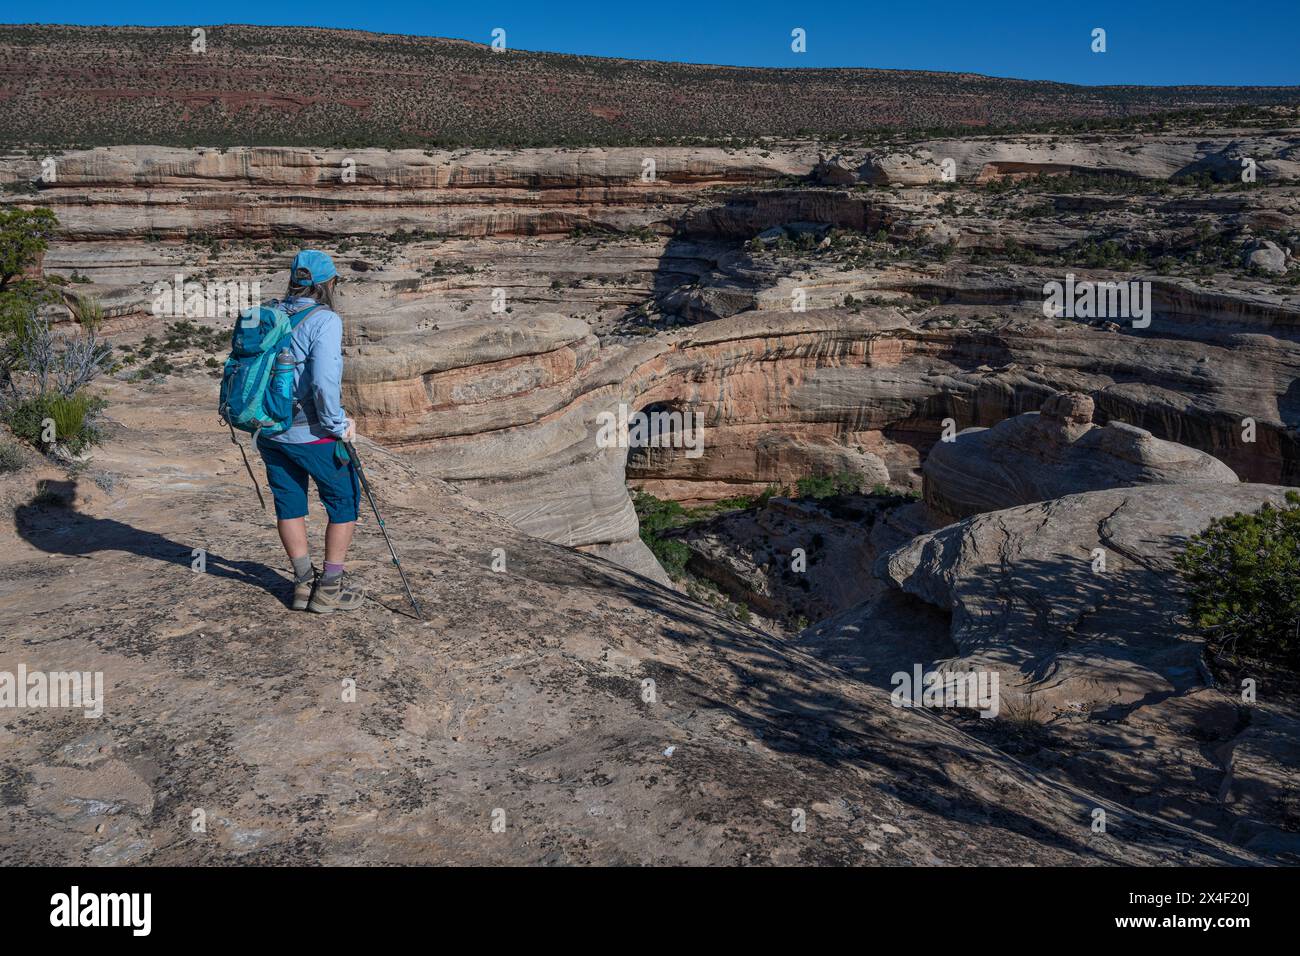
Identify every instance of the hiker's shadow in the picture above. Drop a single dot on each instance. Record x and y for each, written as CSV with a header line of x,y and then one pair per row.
x,y
50,523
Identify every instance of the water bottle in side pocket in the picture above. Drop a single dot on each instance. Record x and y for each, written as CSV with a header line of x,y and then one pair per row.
x,y
279,392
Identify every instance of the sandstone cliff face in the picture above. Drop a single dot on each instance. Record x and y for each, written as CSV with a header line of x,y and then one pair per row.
x,y
505,403
1148,157
783,395
302,192
259,193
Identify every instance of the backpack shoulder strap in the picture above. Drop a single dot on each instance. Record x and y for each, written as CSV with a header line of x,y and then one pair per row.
x,y
299,316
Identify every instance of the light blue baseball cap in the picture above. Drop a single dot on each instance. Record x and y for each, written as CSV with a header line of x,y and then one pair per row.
x,y
314,265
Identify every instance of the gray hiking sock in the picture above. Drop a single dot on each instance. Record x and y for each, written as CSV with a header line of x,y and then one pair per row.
x,y
302,568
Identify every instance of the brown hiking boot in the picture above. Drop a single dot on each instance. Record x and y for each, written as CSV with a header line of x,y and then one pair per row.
x,y
302,591
334,596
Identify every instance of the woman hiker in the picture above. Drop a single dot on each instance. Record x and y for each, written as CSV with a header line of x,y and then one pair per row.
x,y
313,444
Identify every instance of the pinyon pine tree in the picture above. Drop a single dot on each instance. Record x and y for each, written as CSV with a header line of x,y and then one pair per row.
x,y
1243,578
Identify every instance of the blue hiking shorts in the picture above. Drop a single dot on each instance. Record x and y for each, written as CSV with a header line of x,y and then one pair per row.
x,y
287,467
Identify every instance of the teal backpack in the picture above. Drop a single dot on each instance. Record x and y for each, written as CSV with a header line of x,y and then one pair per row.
x,y
256,388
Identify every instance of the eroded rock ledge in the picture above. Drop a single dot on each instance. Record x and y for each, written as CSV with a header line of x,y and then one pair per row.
x,y
781,393
1097,654
505,403
1052,453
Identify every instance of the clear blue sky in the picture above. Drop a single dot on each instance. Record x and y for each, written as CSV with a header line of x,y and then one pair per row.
x,y
1191,41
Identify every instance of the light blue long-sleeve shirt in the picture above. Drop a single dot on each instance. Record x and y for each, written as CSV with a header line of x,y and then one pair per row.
x,y
317,345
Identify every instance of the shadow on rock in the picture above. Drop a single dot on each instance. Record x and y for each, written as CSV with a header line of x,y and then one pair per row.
x,y
792,704
49,522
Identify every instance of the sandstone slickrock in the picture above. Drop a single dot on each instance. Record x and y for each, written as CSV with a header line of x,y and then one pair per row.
x,y
834,171
1055,452
902,169
522,693
1020,586
1096,654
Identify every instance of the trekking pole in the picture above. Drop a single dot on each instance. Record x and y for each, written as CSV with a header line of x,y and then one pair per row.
x,y
244,455
361,473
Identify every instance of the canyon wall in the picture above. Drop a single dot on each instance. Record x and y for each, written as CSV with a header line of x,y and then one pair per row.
x,y
505,402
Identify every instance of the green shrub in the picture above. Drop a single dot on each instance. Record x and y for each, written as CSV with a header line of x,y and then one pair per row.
x,y
11,457
657,516
671,554
157,366
73,416
24,235
826,486
1243,579
187,334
